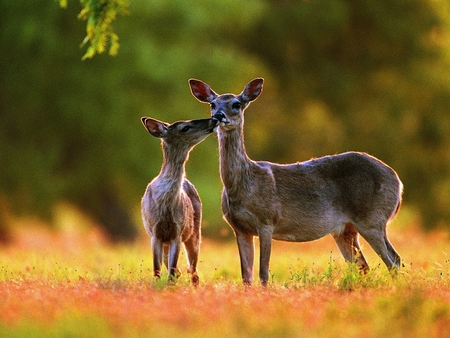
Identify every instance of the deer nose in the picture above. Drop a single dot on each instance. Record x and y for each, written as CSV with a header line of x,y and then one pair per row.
x,y
220,116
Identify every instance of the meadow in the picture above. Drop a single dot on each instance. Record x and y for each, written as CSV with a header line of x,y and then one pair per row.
x,y
70,282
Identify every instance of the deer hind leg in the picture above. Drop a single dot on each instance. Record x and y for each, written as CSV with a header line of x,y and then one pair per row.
x,y
246,255
192,246
396,257
376,237
348,243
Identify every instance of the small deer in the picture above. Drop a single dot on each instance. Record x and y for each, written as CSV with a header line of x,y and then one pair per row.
x,y
343,195
171,207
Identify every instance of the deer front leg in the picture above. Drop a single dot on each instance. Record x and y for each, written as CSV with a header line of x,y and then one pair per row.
x,y
157,249
174,252
246,255
265,244
192,247
166,255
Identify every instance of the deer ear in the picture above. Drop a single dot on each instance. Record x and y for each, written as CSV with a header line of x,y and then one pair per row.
x,y
201,91
154,127
252,90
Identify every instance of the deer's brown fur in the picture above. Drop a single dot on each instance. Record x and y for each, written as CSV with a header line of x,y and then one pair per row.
x,y
171,206
343,195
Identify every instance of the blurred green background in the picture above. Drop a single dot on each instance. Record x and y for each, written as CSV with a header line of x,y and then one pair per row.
x,y
365,75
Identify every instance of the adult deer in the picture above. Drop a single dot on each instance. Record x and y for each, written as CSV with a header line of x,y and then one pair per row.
x,y
171,206
343,195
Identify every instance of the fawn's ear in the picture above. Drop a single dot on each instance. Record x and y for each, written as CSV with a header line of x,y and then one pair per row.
x,y
201,91
154,127
252,90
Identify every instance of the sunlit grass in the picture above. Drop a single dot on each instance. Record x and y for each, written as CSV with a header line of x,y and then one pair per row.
x,y
72,282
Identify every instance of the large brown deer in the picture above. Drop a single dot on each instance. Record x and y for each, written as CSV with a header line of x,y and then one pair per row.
x,y
343,195
171,206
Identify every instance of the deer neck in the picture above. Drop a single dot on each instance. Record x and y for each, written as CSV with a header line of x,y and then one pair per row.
x,y
234,162
172,174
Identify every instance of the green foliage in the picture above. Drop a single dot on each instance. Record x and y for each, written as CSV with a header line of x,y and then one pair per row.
x,y
72,129
339,75
70,325
63,3
99,15
363,76
348,278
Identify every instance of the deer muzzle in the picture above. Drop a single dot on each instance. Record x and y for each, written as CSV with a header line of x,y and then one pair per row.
x,y
220,117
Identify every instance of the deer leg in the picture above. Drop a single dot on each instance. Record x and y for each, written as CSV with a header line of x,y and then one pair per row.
x,y
174,253
348,243
157,249
246,255
192,249
165,255
396,257
378,240
265,244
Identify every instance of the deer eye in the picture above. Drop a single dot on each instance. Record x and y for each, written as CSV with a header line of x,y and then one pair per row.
x,y
236,105
185,129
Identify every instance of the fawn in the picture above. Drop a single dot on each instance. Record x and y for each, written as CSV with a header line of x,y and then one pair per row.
x,y
171,207
343,195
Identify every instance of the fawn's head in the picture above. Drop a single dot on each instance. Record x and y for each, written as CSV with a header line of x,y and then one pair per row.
x,y
228,108
181,133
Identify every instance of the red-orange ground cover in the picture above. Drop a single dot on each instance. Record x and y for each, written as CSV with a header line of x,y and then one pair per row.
x,y
73,283
229,309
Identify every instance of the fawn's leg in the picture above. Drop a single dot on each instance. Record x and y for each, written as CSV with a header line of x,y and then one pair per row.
x,y
157,249
246,255
174,252
166,255
265,244
348,243
192,246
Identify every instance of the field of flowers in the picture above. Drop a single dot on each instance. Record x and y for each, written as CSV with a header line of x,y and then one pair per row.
x,y
71,282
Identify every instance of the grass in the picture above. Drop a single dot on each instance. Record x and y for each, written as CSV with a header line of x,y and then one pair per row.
x,y
72,283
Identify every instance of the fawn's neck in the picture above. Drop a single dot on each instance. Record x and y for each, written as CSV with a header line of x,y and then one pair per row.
x,y
171,176
234,162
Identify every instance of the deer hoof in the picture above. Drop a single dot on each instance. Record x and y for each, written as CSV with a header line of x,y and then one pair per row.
x,y
195,280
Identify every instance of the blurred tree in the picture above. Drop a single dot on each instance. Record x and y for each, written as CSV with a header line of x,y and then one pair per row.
x,y
340,75
53,137
367,75
71,130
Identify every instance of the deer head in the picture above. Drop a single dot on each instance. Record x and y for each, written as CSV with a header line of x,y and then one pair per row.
x,y
227,108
